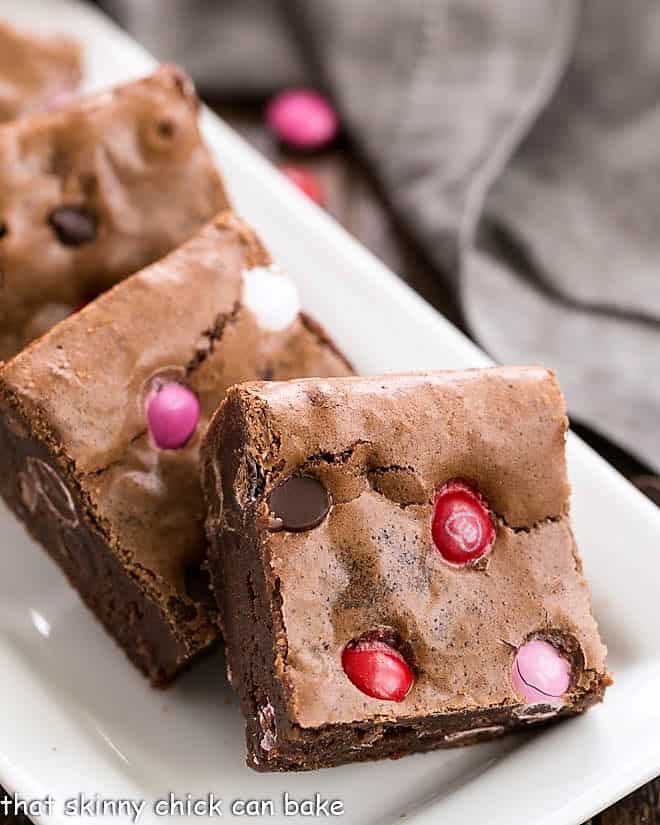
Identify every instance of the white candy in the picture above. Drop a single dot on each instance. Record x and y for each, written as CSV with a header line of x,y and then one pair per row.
x,y
271,296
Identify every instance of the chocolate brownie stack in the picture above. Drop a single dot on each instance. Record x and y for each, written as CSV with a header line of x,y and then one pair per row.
x,y
390,560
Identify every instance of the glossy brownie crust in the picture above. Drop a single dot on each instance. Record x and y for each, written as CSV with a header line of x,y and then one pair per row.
x,y
79,466
291,601
36,72
95,191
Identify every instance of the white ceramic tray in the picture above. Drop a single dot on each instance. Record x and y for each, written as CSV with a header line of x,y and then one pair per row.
x,y
75,717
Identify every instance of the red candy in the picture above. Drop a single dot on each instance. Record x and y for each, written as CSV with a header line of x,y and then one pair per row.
x,y
306,181
302,118
377,669
462,526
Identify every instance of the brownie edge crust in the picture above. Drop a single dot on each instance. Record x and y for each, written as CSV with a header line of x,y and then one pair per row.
x,y
295,593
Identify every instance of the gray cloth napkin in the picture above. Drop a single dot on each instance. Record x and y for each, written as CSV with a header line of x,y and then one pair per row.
x,y
519,140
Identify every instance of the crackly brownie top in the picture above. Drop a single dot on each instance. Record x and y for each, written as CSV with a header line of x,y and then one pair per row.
x,y
36,72
214,312
356,560
95,191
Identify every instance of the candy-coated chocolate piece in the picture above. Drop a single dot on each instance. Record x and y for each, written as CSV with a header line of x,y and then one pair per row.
x,y
302,118
73,225
462,526
172,414
540,673
377,669
271,296
299,503
306,181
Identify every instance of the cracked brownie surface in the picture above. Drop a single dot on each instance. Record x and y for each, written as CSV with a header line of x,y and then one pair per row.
x,y
349,634
36,71
78,442
95,191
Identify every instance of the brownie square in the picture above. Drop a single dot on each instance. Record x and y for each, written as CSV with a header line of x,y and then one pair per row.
x,y
95,191
101,422
36,71
394,563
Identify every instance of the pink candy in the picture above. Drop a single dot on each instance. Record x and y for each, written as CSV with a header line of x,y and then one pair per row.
x,y
302,118
306,181
540,673
172,415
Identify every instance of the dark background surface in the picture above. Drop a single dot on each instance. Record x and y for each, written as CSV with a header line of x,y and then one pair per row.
x,y
355,201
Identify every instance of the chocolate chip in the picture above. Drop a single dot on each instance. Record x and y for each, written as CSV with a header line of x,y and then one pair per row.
x,y
3,229
198,585
166,129
300,502
73,225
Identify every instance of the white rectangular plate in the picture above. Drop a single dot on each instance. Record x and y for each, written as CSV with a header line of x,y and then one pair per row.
x,y
75,717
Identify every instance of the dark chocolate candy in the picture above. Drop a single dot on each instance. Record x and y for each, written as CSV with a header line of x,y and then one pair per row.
x,y
73,225
300,503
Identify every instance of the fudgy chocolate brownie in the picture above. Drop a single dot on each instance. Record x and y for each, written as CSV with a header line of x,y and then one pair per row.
x,y
394,563
95,191
36,72
101,422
